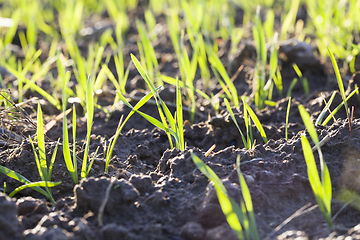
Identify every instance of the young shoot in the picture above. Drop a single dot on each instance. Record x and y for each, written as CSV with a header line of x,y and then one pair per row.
x,y
322,189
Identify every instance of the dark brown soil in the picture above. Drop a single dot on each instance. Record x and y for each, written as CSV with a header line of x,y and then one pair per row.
x,y
158,193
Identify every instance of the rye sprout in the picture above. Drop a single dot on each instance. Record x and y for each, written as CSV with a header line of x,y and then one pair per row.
x,y
303,79
44,171
287,119
332,113
263,89
37,186
90,115
176,122
322,189
341,88
240,218
249,142
71,161
121,124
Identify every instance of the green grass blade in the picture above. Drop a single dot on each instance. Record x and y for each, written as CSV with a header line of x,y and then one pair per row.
x,y
256,121
33,185
322,191
225,203
53,157
309,125
248,201
311,168
92,161
75,173
70,165
179,115
297,70
292,85
325,109
90,115
34,87
41,145
217,64
332,114
237,125
162,108
14,175
339,80
287,118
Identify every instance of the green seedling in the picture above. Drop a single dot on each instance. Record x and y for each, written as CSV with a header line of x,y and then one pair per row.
x,y
71,162
30,83
322,189
290,18
121,124
287,119
332,114
148,57
37,186
44,171
292,85
341,88
249,142
261,50
90,115
325,109
255,120
263,88
303,80
176,122
278,82
240,218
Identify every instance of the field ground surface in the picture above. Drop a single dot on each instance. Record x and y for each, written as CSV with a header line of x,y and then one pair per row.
x,y
154,192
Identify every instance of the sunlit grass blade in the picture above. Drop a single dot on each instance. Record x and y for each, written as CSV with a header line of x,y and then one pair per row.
x,y
41,161
322,190
292,85
256,121
162,108
309,125
34,87
92,161
74,158
122,124
217,64
44,172
303,80
247,200
33,185
339,81
179,116
325,109
152,120
221,192
237,125
332,114
14,175
53,157
71,165
89,121
290,18
287,118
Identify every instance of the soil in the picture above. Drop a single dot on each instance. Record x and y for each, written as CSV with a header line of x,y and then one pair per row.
x,y
158,193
